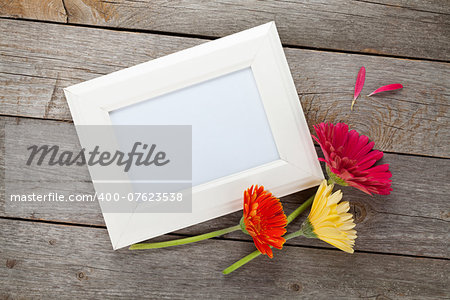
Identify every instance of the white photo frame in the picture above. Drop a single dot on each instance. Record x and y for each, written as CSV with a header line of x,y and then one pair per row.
x,y
258,49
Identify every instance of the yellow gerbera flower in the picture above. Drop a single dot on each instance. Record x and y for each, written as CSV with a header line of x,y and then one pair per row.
x,y
329,220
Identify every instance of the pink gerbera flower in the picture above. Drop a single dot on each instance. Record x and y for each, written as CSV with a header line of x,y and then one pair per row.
x,y
350,159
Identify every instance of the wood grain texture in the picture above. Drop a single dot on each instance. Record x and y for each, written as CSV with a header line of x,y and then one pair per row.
x,y
414,120
413,220
65,262
49,10
437,6
391,27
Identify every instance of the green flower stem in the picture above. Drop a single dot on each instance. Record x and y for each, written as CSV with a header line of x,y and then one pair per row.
x,y
294,235
256,253
241,262
188,240
300,209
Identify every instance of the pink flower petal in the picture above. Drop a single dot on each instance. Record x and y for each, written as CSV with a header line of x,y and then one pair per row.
x,y
389,87
359,84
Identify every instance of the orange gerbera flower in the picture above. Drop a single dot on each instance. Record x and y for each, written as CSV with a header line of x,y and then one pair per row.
x,y
264,219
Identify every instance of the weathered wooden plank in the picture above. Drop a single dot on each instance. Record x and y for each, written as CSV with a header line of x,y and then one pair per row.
x,y
415,120
437,6
54,261
394,27
49,10
412,220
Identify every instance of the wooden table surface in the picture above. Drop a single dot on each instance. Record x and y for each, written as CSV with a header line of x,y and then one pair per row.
x,y
403,246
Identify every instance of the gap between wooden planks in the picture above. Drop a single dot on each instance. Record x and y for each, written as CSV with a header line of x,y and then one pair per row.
x,y
395,28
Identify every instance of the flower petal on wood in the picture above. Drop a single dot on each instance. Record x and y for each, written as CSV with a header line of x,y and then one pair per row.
x,y
389,87
360,79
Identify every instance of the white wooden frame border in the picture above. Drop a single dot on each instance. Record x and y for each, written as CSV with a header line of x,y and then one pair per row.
x,y
258,48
